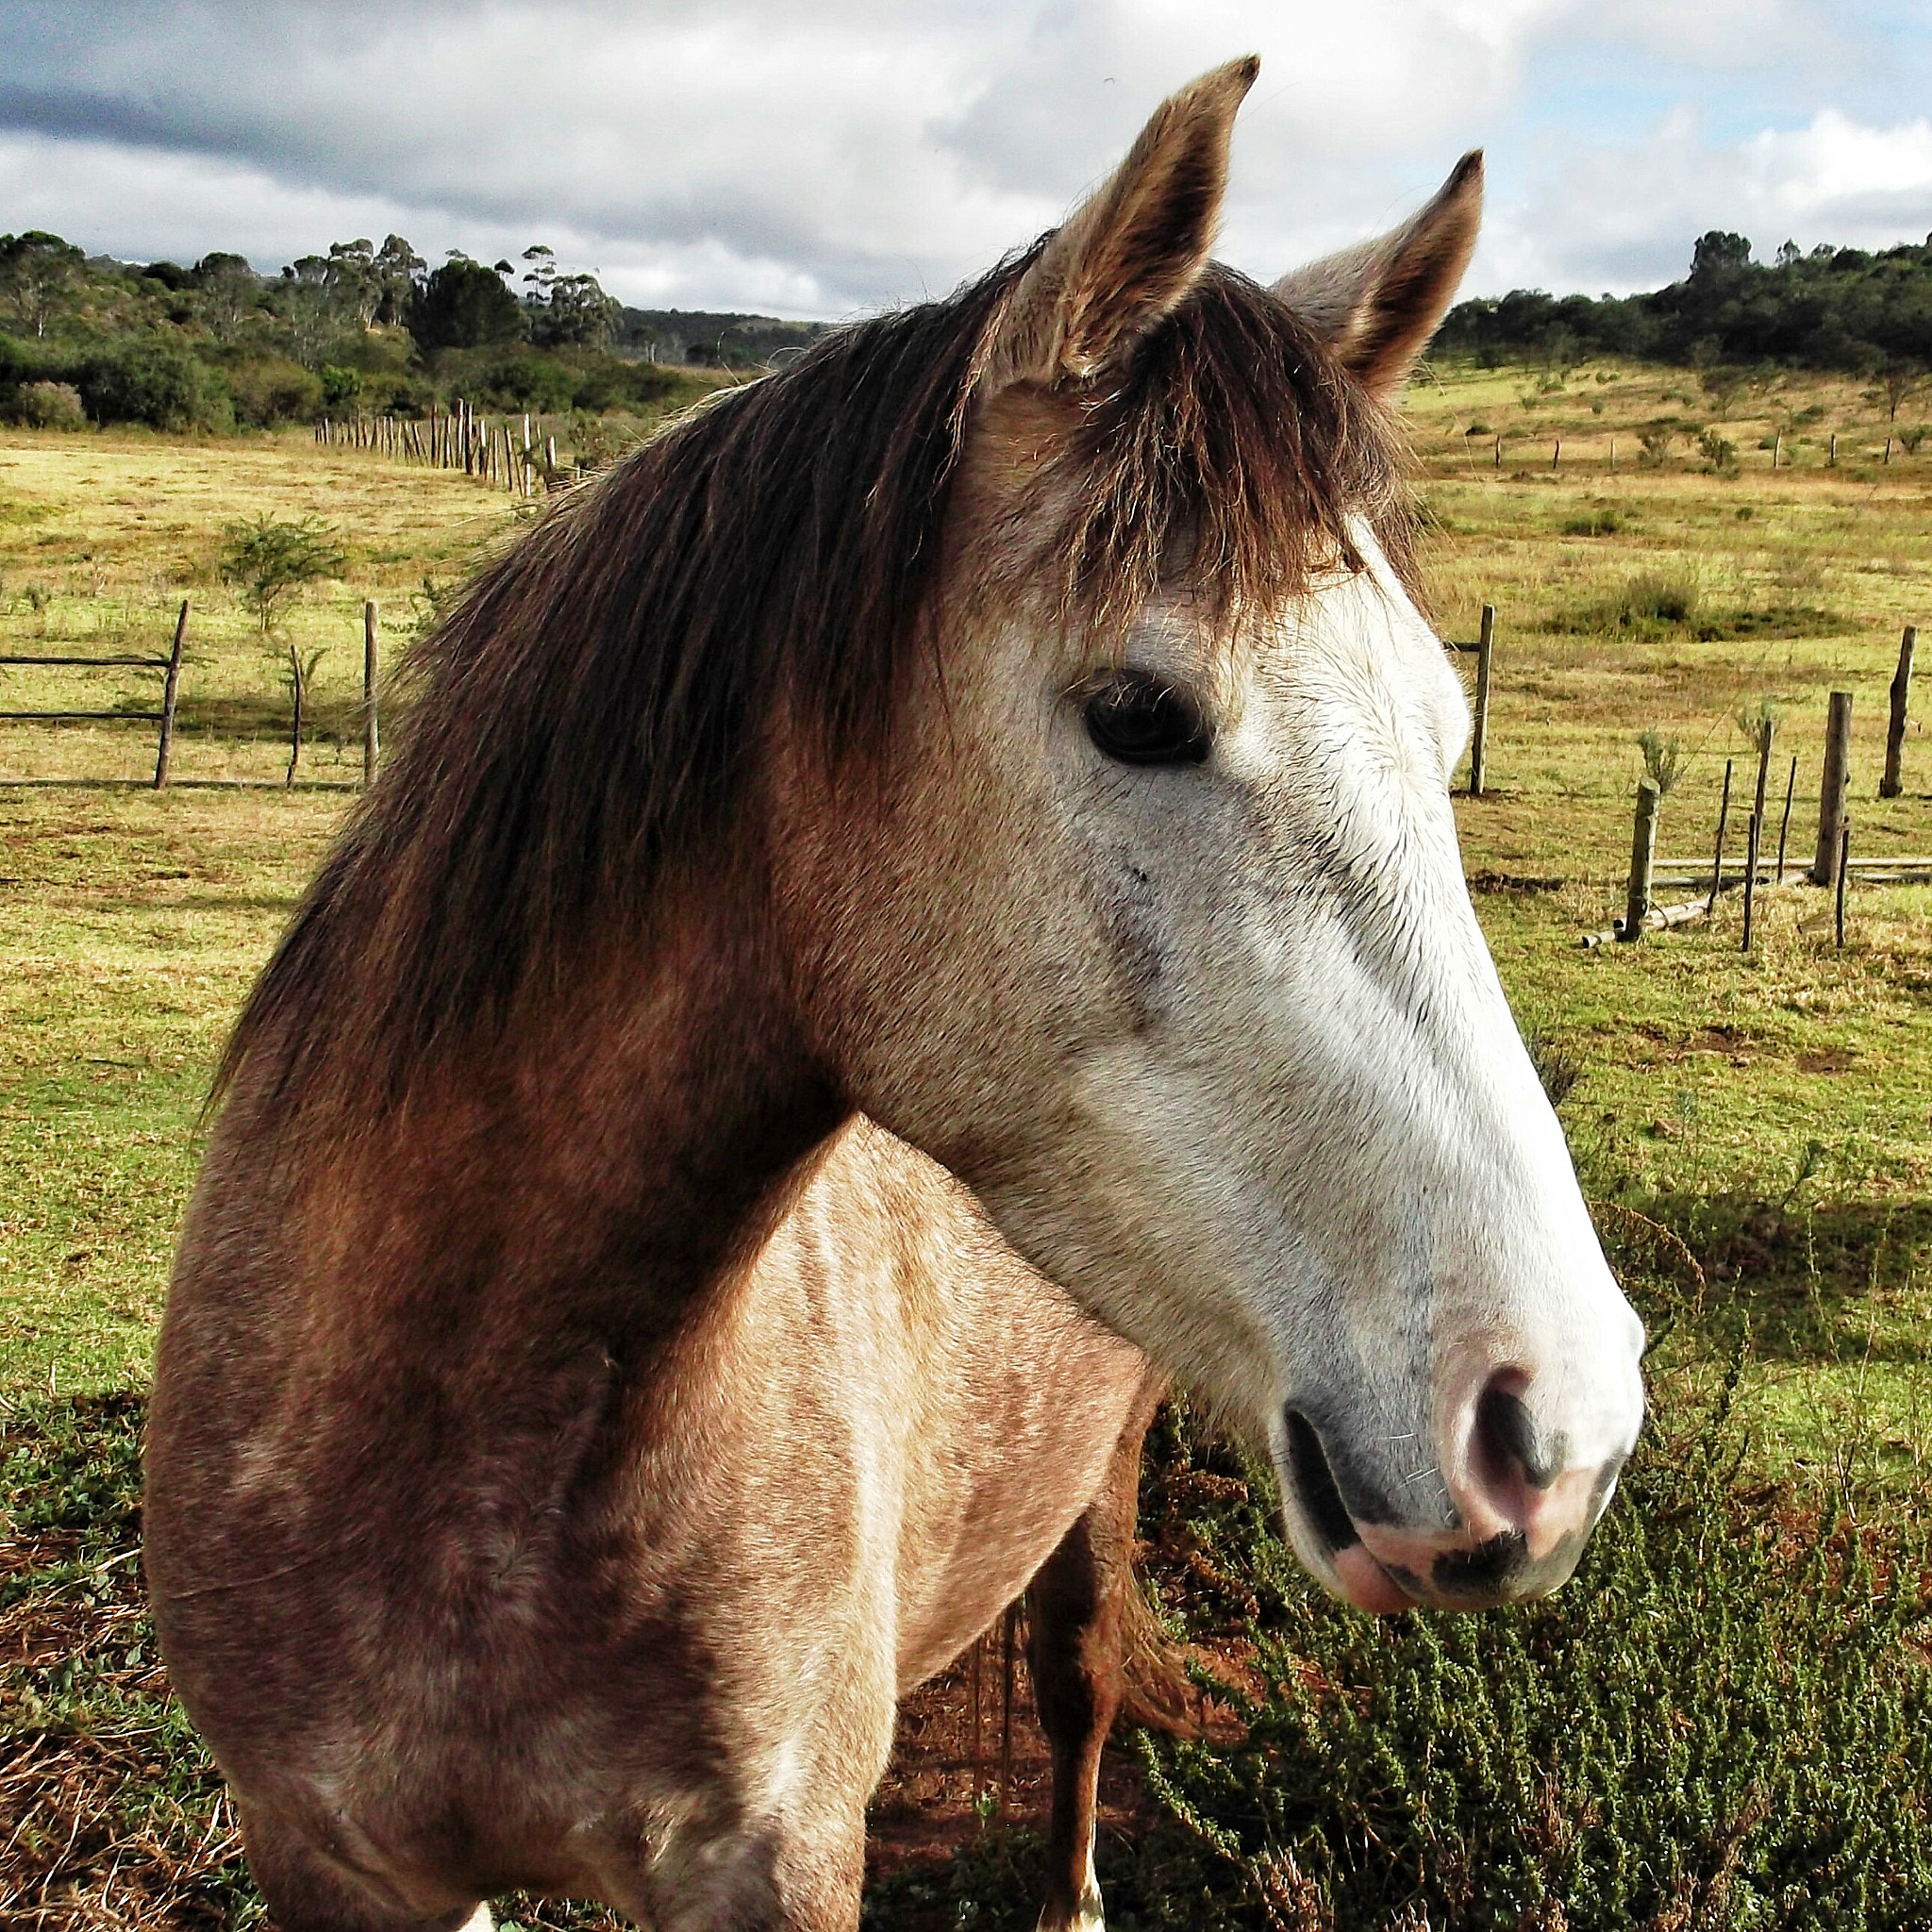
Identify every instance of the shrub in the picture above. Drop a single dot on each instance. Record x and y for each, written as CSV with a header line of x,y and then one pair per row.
x,y
1663,759
50,405
1648,602
1655,445
1724,1722
1595,523
155,383
341,387
270,560
1718,451
525,381
1909,439
275,390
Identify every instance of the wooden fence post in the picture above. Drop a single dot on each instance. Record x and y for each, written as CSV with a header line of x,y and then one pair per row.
x,y
169,692
1844,867
1892,783
1831,797
1784,830
371,745
1643,857
1479,735
1752,844
1717,864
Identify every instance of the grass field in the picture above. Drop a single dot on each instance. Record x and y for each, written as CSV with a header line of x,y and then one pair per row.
x,y
1757,1129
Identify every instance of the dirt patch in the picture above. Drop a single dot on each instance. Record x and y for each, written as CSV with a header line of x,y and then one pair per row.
x,y
1487,881
1832,1060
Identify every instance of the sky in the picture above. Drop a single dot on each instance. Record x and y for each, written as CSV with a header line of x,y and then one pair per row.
x,y
828,158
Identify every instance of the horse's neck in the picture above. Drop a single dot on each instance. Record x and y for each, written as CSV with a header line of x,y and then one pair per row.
x,y
613,1155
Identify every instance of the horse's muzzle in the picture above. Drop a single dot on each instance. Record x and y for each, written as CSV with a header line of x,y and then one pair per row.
x,y
1521,1517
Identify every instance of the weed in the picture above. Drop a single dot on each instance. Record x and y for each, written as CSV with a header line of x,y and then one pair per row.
x,y
1645,603
1718,451
1595,523
1663,759
1555,1065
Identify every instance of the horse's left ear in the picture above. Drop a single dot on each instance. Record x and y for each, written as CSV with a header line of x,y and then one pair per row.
x,y
1378,303
1124,259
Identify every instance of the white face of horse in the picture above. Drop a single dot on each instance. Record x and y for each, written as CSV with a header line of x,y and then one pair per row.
x,y
1170,955
1341,1199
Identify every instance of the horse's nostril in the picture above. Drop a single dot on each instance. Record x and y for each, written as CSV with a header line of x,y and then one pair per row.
x,y
1510,1440
1320,1497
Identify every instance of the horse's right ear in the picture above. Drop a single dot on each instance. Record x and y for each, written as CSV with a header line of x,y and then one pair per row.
x,y
1112,270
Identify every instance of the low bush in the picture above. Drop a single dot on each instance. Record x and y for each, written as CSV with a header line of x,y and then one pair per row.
x,y
1594,522
1724,1721
155,383
275,390
1647,602
50,405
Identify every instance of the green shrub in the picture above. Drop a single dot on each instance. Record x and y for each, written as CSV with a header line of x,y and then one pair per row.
x,y
50,405
1720,451
1663,759
155,383
1651,601
1724,1722
270,560
1595,523
340,389
276,390
519,381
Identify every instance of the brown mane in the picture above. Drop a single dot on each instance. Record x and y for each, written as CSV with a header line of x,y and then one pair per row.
x,y
593,704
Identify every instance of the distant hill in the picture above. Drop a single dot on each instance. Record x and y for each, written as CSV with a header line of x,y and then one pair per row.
x,y
1840,309
359,329
707,338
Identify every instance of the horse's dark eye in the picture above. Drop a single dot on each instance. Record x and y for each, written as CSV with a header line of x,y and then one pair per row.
x,y
1142,720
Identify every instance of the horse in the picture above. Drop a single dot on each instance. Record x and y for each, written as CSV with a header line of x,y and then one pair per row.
x,y
923,902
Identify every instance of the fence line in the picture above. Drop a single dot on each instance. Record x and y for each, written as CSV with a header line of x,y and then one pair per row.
x,y
517,454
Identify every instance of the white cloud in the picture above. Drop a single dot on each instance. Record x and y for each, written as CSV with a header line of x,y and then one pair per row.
x,y
1623,216
823,159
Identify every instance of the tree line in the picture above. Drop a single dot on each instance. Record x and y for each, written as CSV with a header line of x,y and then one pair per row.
x,y
357,329
1838,309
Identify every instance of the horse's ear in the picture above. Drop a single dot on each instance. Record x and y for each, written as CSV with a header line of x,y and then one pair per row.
x,y
1112,270
1378,303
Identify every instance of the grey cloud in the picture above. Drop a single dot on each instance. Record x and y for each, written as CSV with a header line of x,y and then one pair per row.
x,y
748,152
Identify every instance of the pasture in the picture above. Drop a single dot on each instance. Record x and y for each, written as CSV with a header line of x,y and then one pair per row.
x,y
1756,1130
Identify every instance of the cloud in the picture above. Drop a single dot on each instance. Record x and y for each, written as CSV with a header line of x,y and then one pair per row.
x,y
829,159
1624,216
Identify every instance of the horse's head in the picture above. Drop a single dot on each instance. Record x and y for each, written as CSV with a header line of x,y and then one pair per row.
x,y
1157,934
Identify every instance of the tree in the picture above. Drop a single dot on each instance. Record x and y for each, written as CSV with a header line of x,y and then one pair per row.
x,y
1718,252
464,305
566,311
270,561
1724,384
36,268
1897,381
227,292
398,269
